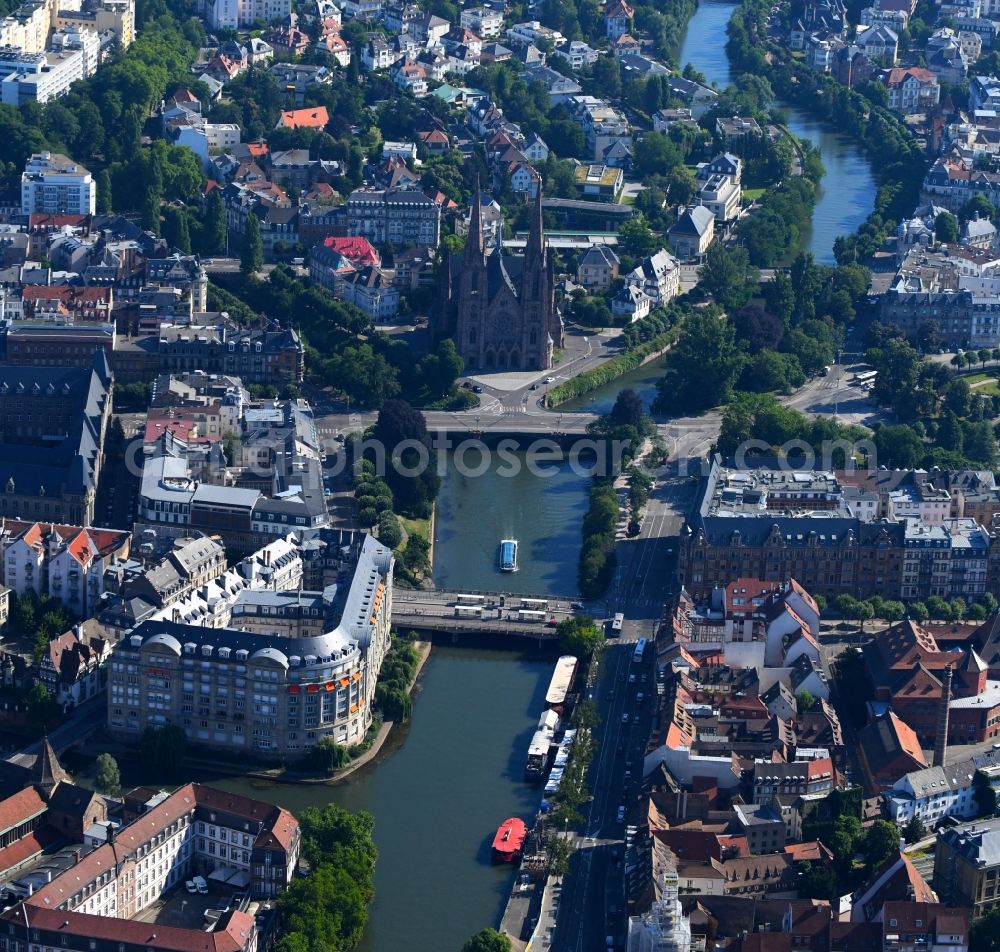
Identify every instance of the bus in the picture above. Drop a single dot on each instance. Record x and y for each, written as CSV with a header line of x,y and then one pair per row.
x,y
867,376
640,651
468,599
535,604
468,611
616,625
525,614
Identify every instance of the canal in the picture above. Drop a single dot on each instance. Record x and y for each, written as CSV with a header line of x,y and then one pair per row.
x,y
438,792
847,192
543,512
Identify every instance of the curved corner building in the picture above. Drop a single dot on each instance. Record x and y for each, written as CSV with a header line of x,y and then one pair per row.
x,y
287,669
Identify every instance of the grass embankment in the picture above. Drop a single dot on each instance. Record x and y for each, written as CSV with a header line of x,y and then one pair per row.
x,y
612,370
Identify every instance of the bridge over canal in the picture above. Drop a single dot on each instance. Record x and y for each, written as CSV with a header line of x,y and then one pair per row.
x,y
487,613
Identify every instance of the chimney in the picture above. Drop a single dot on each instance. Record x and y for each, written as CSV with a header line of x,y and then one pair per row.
x,y
941,740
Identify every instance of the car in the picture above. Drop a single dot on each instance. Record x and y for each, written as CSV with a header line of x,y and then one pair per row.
x,y
576,606
624,717
621,814
628,774
477,389
190,886
467,384
534,386
550,379
639,698
643,678
631,679
201,885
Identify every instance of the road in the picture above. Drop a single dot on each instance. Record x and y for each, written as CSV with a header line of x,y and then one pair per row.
x,y
584,916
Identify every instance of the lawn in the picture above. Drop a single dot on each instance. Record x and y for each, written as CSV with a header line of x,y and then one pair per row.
x,y
985,383
420,527
752,194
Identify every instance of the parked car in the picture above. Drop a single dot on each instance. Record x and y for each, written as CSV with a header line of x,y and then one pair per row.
x,y
201,885
190,886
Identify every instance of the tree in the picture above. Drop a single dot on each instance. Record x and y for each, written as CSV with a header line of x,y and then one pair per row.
x,y
914,831
42,706
252,258
215,230
918,612
628,409
579,636
107,777
162,748
402,432
880,842
946,227
728,276
984,933
326,756
489,940
703,366
804,701
327,910
846,606
865,613
816,881
103,184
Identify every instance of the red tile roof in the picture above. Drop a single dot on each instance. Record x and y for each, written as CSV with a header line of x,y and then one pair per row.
x,y
314,118
230,937
359,251
23,805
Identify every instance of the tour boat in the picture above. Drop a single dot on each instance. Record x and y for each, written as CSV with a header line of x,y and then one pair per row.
x,y
508,842
508,555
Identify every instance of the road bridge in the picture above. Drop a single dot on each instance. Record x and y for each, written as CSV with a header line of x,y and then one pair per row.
x,y
486,613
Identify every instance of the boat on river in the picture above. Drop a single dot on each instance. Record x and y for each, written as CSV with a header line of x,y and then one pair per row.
x,y
508,555
509,840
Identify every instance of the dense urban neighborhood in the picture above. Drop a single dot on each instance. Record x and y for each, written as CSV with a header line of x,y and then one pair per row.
x,y
499,475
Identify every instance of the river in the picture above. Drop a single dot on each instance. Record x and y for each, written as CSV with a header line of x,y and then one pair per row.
x,y
438,792
847,192
543,512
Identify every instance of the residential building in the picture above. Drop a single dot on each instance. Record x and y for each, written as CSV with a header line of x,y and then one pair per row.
x,y
599,182
73,667
394,216
631,303
314,663
879,42
617,18
659,276
101,16
597,268
693,232
720,190
46,475
483,21
67,563
912,89
934,793
373,291
53,184
967,865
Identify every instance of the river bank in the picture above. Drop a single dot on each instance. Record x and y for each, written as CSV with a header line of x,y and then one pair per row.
x,y
846,194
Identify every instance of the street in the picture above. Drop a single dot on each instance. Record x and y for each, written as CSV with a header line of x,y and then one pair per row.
x,y
616,778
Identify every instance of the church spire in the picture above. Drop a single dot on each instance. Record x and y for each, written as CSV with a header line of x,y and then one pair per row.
x,y
474,241
534,250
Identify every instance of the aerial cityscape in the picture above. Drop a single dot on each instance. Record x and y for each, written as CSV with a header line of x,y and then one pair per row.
x,y
502,476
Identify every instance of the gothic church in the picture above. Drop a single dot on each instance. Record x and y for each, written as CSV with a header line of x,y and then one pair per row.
x,y
499,309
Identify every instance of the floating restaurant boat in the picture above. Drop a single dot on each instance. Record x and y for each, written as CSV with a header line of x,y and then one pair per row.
x,y
508,555
509,841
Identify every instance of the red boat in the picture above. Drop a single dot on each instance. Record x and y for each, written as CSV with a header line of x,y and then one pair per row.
x,y
509,840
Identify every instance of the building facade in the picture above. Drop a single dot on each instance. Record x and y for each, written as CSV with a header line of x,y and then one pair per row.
x,y
499,309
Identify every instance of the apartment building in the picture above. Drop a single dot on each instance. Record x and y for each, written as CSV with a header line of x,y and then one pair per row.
x,y
395,215
299,667
54,184
967,865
